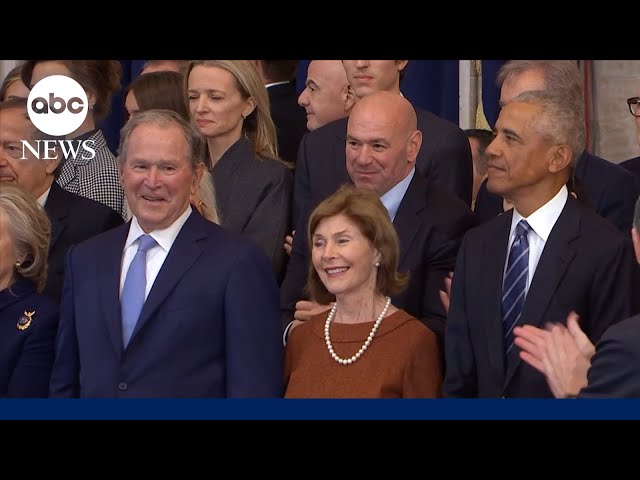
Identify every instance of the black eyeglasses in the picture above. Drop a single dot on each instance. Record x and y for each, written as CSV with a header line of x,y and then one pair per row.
x,y
634,106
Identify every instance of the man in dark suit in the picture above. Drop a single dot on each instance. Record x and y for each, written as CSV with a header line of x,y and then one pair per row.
x,y
535,263
73,218
444,158
279,77
158,307
573,366
611,190
381,155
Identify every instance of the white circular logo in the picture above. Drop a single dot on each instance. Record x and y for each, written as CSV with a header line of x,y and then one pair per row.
x,y
57,105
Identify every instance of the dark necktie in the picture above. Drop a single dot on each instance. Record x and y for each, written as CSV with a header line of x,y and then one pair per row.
x,y
514,286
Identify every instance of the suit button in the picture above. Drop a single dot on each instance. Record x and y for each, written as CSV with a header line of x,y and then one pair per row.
x,y
122,386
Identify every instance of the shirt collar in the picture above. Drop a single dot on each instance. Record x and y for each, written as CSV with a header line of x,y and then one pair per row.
x,y
542,220
165,237
42,199
392,199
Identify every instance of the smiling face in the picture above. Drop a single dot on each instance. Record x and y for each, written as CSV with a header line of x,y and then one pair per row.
x,y
343,257
157,176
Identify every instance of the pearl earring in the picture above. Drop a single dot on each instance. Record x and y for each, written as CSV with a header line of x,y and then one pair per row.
x,y
17,264
377,264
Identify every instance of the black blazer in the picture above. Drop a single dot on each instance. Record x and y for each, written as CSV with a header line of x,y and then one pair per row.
x,y
586,266
73,220
612,192
430,224
615,368
289,117
444,158
253,197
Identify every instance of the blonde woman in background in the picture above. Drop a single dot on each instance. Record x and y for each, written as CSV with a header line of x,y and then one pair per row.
x,y
230,107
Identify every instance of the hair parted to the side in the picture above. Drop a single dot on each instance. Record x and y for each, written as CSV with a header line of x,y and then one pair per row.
x,y
364,208
30,231
165,119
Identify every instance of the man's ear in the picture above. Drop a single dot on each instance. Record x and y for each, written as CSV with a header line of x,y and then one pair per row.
x,y
560,158
349,98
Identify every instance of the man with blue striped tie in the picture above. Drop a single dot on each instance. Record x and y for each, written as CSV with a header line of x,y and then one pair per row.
x,y
535,263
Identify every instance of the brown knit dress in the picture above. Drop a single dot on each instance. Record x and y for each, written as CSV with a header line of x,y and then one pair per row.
x,y
402,361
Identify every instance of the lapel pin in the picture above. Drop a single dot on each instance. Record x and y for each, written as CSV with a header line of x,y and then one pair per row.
x,y
25,320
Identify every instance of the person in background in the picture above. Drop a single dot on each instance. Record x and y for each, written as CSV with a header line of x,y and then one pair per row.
x,y
279,78
546,256
327,95
633,164
364,346
13,86
90,175
28,319
573,366
608,188
73,218
229,105
159,307
478,140
165,90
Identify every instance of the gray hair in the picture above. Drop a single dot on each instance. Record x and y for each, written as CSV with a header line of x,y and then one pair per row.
x,y
561,77
559,121
164,118
636,215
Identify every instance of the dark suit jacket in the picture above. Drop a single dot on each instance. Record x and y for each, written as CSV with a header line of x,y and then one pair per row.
x,y
430,224
586,266
73,220
199,333
633,165
615,368
26,355
254,199
289,117
612,192
444,158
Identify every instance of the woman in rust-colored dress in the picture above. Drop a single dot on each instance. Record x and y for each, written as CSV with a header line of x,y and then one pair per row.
x,y
363,347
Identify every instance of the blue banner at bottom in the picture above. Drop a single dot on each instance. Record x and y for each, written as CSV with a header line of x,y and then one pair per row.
x,y
315,409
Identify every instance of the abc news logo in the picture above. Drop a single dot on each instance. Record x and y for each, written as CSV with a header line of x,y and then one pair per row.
x,y
58,105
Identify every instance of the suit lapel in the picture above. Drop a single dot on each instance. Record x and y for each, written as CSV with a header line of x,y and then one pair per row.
x,y
556,257
108,273
494,252
57,208
184,252
406,221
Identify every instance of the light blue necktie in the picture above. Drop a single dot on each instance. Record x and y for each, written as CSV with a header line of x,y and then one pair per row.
x,y
132,298
514,286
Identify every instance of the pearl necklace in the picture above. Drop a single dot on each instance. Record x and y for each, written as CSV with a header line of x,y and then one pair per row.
x,y
349,361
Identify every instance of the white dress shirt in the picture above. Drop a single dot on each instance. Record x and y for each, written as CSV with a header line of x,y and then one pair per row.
x,y
157,254
42,199
541,222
